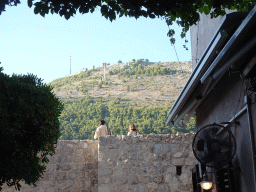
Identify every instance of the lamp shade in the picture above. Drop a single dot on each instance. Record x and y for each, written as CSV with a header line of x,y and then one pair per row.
x,y
206,185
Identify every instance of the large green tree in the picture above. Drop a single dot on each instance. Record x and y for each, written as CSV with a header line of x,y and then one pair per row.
x,y
183,12
29,130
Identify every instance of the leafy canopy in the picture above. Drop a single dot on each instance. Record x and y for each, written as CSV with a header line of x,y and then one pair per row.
x,y
30,127
80,118
184,12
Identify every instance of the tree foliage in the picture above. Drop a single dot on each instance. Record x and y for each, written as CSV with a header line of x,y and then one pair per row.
x,y
140,70
80,118
30,127
185,13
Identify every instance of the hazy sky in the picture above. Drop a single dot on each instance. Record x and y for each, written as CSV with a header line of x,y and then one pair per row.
x,y
31,43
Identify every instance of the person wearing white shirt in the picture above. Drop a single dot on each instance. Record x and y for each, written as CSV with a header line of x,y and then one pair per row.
x,y
102,130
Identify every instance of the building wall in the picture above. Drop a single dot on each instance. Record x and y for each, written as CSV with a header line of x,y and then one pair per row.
x,y
224,101
74,167
145,163
201,35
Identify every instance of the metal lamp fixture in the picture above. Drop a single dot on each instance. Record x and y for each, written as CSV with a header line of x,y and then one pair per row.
x,y
206,184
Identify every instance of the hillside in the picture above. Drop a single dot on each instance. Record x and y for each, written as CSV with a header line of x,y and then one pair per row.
x,y
136,84
139,93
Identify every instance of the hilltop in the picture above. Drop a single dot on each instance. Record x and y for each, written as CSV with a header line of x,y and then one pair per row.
x,y
137,83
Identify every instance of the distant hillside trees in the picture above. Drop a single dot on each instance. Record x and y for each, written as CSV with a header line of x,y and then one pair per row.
x,y
119,61
139,70
80,118
66,80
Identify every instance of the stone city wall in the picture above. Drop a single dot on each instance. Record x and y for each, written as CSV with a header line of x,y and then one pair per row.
x,y
146,163
74,167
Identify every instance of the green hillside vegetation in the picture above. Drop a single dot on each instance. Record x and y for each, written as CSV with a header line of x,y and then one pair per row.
x,y
80,118
139,70
139,93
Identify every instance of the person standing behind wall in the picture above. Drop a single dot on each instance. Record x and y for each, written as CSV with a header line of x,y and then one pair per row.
x,y
102,130
133,131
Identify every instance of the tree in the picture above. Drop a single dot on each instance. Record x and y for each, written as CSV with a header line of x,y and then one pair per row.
x,y
128,88
119,61
30,127
171,11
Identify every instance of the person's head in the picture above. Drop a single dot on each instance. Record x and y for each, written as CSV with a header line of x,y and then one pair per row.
x,y
132,127
102,122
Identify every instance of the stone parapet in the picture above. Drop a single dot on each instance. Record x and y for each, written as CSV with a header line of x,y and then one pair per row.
x,y
73,167
146,163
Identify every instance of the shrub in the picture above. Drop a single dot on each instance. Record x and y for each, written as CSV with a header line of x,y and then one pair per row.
x,y
30,127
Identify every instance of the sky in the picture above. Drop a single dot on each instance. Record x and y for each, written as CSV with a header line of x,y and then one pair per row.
x,y
31,43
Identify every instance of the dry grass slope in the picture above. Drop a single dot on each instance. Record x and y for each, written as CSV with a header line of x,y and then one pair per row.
x,y
144,90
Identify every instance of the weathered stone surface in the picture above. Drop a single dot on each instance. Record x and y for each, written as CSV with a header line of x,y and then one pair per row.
x,y
150,160
152,187
146,163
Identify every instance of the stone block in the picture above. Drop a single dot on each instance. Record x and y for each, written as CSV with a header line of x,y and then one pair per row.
x,y
140,156
72,175
180,161
155,157
136,164
175,185
91,166
158,148
50,167
152,187
113,146
76,158
171,169
60,175
105,180
80,175
126,171
168,156
119,180
191,161
83,144
48,184
48,176
191,154
177,145
133,179
79,183
70,145
162,157
70,189
104,188
145,179
158,179
132,155
168,178
64,183
163,188
142,171
105,171
178,154
166,148
141,188
155,170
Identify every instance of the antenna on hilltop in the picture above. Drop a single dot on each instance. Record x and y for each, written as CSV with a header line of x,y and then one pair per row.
x,y
70,63
104,68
